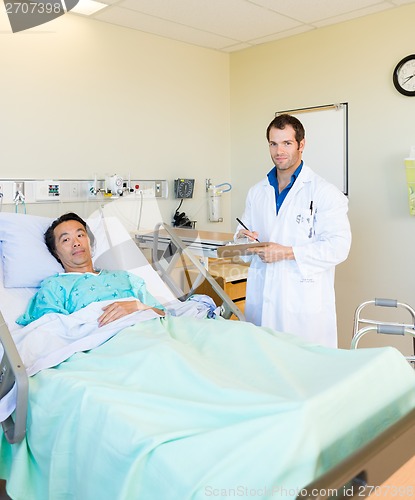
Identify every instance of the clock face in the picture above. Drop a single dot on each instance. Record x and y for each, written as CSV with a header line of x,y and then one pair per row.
x,y
404,76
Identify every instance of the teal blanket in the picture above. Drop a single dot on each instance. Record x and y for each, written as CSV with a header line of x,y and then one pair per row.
x,y
183,408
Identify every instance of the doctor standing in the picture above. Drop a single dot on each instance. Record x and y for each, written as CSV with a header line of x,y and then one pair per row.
x,y
290,285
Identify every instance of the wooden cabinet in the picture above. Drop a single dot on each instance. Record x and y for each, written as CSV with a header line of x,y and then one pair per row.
x,y
230,276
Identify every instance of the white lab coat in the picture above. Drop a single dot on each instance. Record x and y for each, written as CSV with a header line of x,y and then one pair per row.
x,y
297,296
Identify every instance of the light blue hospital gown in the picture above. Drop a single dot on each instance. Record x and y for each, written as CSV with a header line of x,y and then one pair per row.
x,y
66,293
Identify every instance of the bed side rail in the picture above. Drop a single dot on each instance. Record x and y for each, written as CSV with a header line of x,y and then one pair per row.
x,y
13,372
227,308
365,470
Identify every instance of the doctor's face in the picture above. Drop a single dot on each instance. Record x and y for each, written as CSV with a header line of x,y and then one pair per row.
x,y
73,246
286,152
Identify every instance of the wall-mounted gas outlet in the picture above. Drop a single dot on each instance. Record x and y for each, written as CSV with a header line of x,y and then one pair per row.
x,y
18,187
6,192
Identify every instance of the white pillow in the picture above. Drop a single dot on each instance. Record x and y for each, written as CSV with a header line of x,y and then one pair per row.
x,y
25,256
27,261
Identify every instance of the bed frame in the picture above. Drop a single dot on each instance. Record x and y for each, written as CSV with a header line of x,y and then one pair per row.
x,y
364,472
13,372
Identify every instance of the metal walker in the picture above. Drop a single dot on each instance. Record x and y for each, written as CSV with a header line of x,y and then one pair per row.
x,y
363,326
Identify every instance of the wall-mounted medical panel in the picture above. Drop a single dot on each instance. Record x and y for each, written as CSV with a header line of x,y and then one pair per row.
x,y
47,190
14,191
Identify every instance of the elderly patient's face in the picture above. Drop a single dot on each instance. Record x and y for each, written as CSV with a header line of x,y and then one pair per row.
x,y
73,246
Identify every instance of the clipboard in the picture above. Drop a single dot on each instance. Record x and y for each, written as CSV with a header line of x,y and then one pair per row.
x,y
237,250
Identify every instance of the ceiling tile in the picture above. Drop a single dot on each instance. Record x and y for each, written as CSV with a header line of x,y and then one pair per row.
x,y
161,27
311,11
236,19
284,34
231,25
353,15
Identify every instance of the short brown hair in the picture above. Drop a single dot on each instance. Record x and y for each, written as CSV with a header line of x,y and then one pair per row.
x,y
281,121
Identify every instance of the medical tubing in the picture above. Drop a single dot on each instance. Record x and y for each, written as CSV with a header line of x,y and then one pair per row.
x,y
224,184
16,209
141,209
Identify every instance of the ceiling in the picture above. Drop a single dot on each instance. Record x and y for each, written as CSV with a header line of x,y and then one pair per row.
x,y
231,25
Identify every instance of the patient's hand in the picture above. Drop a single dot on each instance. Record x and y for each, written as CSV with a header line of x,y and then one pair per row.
x,y
117,310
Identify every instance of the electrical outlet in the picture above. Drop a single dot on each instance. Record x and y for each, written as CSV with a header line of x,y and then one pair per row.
x,y
74,190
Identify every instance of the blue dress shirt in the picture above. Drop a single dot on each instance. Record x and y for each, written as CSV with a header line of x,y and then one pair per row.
x,y
272,179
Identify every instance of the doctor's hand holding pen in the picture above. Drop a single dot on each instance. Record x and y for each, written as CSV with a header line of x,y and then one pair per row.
x,y
268,253
252,235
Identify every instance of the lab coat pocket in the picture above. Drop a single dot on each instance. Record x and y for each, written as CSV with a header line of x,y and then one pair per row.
x,y
304,293
305,222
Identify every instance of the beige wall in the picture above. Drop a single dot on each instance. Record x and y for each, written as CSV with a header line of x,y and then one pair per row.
x,y
350,62
81,97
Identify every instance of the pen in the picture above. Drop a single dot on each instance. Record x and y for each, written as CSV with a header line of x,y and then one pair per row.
x,y
243,225
311,207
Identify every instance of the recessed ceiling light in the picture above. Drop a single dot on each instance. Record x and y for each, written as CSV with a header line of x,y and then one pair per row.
x,y
88,7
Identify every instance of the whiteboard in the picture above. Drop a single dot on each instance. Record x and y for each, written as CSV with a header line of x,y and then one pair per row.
x,y
326,141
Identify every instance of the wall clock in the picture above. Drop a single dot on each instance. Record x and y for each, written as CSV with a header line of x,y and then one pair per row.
x,y
404,76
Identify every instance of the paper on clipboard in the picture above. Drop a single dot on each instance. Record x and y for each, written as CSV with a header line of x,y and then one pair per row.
x,y
237,250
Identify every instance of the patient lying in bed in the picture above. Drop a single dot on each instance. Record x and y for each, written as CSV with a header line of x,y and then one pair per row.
x,y
68,241
178,407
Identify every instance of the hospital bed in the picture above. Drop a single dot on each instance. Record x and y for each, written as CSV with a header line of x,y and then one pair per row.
x,y
181,407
